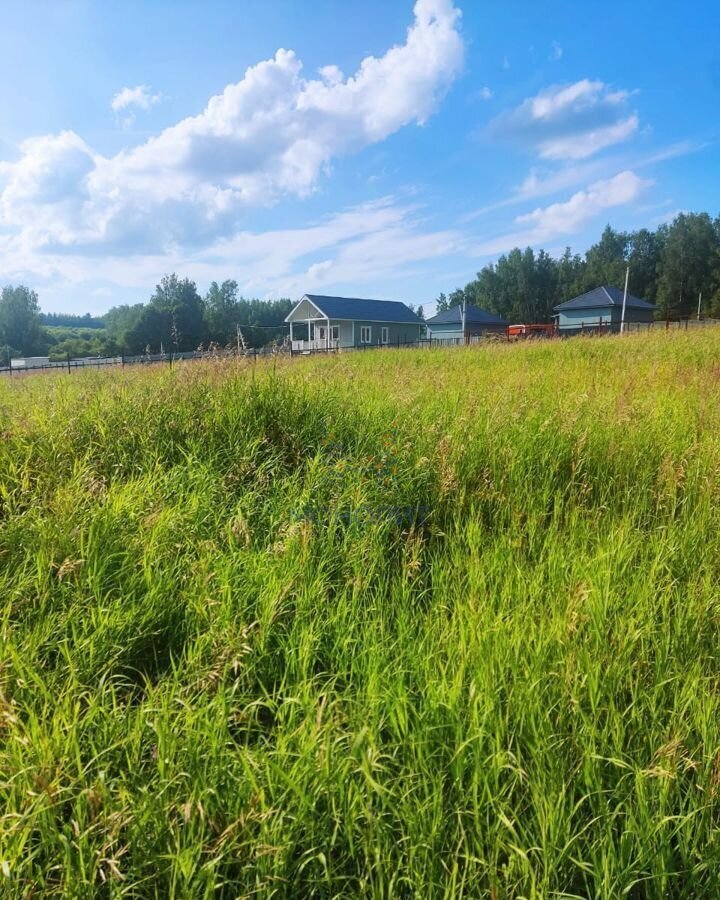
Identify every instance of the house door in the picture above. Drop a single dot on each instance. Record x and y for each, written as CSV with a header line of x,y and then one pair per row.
x,y
331,335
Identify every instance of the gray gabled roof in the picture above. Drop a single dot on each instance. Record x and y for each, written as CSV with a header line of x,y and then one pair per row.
x,y
364,310
601,298
473,316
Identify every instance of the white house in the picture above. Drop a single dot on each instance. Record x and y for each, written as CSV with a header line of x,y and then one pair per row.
x,y
331,323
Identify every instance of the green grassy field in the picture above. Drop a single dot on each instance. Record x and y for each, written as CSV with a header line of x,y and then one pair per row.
x,y
393,624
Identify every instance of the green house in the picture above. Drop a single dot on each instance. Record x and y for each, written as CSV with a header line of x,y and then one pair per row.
x,y
318,322
601,308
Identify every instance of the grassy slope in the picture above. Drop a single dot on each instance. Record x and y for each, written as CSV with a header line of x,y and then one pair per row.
x,y
230,664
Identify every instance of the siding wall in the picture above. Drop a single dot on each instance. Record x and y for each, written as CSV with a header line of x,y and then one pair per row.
x,y
446,332
590,318
404,332
453,331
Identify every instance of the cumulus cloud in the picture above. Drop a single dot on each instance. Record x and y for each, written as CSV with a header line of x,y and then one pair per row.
x,y
569,216
569,121
272,133
139,96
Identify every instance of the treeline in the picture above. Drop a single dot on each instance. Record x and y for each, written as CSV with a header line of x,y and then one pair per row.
x,y
175,319
68,320
24,330
670,267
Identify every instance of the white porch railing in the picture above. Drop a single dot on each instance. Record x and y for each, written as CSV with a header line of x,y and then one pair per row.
x,y
300,346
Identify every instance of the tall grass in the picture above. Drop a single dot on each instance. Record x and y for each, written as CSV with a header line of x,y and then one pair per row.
x,y
395,624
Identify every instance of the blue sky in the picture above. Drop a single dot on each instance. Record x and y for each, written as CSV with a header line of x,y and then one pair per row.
x,y
380,149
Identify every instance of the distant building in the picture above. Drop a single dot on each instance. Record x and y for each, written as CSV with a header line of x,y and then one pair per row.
x,y
30,362
601,307
447,326
330,323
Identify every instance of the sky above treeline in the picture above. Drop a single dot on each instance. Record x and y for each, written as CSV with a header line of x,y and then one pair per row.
x,y
373,149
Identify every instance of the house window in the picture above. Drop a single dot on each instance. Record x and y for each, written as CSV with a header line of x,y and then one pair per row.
x,y
384,334
322,331
365,334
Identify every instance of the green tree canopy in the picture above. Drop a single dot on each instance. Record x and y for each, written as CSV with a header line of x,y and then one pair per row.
x,y
669,267
20,320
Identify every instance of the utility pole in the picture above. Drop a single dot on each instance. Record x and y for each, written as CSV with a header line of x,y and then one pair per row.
x,y
464,319
622,319
699,302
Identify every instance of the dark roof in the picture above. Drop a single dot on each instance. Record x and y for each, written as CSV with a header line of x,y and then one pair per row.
x,y
365,310
602,297
473,316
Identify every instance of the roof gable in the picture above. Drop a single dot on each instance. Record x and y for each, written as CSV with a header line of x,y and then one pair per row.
x,y
603,297
473,316
359,309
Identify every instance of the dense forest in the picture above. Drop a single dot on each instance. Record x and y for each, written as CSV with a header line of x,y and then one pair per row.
x,y
671,266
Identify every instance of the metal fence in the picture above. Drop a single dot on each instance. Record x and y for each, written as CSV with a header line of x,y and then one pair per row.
x,y
635,327
145,359
395,345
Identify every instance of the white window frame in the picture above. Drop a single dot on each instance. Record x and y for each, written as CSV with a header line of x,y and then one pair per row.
x,y
366,334
320,332
384,334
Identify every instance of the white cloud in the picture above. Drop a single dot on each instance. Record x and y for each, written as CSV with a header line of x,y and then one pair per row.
x,y
381,240
580,146
569,216
485,93
668,217
139,96
556,52
571,121
543,181
540,183
270,134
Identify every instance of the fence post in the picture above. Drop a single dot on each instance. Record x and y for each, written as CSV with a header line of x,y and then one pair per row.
x,y
68,363
122,358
